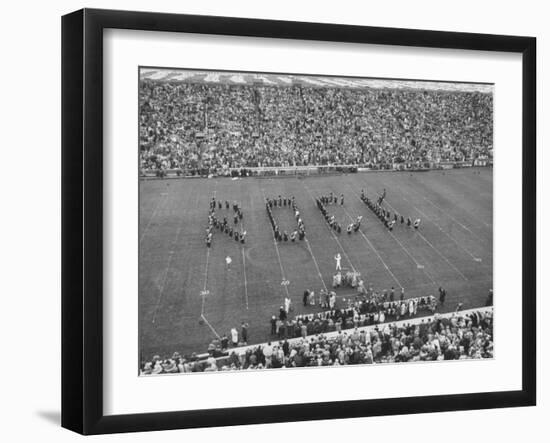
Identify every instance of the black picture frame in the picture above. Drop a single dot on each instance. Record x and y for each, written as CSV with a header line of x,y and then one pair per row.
x,y
82,220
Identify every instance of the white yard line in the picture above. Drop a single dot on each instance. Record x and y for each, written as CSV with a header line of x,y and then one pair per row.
x,y
477,259
245,282
432,246
418,265
284,280
316,264
375,251
168,266
443,257
332,233
210,326
456,221
244,266
204,290
153,216
203,293
161,289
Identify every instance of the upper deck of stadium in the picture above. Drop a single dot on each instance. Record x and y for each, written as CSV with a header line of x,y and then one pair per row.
x,y
267,79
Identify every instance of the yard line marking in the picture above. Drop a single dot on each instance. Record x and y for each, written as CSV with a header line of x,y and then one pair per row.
x,y
210,326
169,265
244,264
330,230
487,225
153,216
284,280
472,215
161,289
245,282
316,264
443,257
375,251
477,259
418,265
432,246
207,258
455,220
204,291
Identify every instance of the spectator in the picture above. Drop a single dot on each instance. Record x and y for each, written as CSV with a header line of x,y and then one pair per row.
x,y
455,337
201,129
244,332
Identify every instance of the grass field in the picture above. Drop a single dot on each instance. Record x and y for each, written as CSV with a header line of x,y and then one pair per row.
x,y
453,248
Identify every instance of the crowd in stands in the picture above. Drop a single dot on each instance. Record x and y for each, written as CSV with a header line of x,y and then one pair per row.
x,y
201,128
457,337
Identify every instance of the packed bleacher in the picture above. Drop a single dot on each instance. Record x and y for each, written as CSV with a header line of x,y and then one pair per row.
x,y
457,336
198,128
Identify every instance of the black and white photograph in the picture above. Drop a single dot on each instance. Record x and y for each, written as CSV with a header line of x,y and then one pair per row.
x,y
303,221
253,221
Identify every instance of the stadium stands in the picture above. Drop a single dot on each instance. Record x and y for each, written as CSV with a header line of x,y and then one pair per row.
x,y
455,336
200,129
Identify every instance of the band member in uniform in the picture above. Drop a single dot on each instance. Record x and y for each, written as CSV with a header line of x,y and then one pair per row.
x,y
382,197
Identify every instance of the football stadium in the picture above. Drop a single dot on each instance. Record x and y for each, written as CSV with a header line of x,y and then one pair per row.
x,y
291,220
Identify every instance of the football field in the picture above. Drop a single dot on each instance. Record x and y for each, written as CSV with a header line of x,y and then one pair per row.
x,y
188,296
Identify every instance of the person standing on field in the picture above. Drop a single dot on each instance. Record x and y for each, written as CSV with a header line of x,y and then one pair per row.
x,y
442,295
244,332
234,336
338,259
